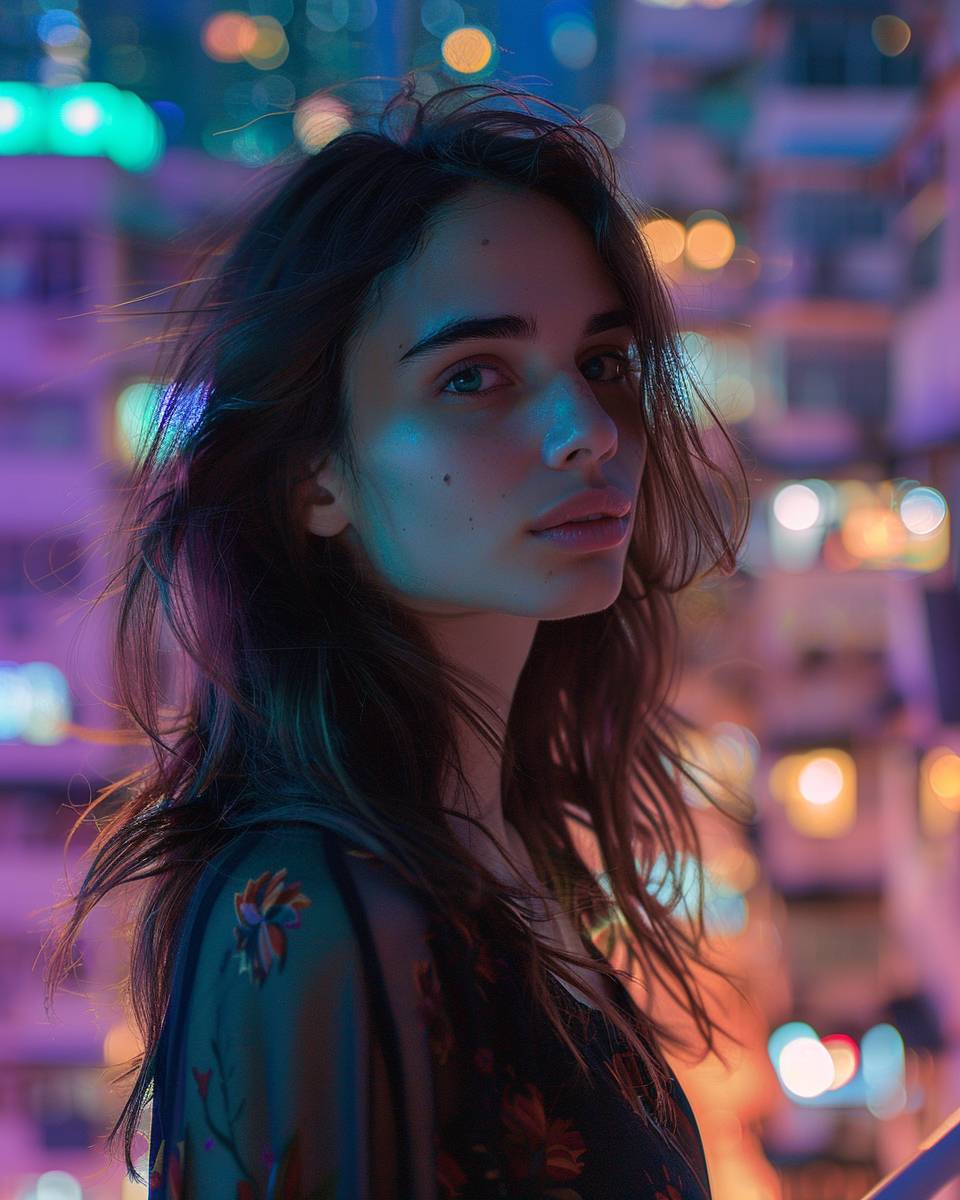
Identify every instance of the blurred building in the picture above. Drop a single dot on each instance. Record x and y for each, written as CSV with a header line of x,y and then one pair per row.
x,y
77,235
820,134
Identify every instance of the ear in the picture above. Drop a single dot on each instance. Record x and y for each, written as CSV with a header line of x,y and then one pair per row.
x,y
324,499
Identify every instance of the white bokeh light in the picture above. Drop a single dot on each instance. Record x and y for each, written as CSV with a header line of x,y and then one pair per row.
x,y
820,781
922,510
82,116
806,1067
797,506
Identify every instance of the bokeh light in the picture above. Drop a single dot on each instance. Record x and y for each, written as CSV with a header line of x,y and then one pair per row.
x,y
82,115
270,47
891,34
943,775
23,118
818,790
228,36
120,1045
845,1054
57,1185
573,40
922,510
805,1066
441,17
735,396
363,13
871,532
328,16
11,113
90,119
666,238
710,244
881,1049
34,702
606,121
797,506
820,781
272,92
939,792
55,19
736,867
317,120
467,50
136,414
724,907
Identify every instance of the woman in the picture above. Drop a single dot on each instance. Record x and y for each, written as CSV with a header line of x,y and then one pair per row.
x,y
364,966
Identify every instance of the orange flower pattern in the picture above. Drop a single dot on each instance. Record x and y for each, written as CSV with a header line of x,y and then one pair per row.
x,y
528,1133
265,908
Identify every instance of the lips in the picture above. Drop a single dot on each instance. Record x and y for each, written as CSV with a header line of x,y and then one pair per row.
x,y
602,502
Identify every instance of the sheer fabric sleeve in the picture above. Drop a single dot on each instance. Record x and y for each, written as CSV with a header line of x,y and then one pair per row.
x,y
307,1071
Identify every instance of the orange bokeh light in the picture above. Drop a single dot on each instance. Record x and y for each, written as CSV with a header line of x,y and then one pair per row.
x,y
466,50
229,36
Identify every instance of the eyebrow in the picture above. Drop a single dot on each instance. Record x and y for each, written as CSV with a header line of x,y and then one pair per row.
x,y
507,325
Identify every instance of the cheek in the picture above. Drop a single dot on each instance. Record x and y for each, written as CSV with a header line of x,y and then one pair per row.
x,y
454,476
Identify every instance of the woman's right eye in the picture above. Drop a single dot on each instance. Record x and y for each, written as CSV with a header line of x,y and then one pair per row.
x,y
468,369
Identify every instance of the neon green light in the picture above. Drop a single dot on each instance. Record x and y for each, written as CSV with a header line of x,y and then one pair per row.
x,y
94,119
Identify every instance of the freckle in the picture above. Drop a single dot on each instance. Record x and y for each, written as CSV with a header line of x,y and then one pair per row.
x,y
446,479
484,241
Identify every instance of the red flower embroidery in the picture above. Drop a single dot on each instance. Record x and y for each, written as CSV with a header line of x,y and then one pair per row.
x,y
202,1081
264,908
548,1151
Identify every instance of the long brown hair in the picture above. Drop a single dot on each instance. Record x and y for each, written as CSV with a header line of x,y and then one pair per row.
x,y
288,664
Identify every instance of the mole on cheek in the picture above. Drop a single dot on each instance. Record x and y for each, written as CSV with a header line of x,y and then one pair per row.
x,y
484,241
446,479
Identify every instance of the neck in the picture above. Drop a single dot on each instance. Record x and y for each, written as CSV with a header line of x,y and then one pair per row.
x,y
493,648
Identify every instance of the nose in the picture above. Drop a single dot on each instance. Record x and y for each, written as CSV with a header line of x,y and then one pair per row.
x,y
578,424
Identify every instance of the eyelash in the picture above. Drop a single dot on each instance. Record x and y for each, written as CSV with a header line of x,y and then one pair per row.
x,y
618,356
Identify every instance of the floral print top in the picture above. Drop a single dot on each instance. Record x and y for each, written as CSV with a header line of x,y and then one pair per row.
x,y
328,1039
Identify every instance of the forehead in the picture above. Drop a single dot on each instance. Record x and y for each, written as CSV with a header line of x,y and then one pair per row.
x,y
496,251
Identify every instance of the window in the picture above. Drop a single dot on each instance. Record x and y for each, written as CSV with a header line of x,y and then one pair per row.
x,y
821,219
832,46
42,424
41,265
851,378
58,266
65,1103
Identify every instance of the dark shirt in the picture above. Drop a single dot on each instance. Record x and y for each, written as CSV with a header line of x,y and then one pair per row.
x,y
330,1038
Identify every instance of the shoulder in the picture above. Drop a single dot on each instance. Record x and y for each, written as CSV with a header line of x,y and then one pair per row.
x,y
296,898
312,1008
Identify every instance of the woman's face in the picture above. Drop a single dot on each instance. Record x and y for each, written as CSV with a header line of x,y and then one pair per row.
x,y
460,448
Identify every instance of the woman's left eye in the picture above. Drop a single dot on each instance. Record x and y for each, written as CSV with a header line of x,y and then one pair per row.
x,y
471,368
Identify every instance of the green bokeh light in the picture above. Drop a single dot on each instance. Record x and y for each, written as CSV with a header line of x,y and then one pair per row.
x,y
90,119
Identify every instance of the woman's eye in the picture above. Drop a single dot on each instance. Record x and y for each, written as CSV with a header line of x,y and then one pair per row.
x,y
470,372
